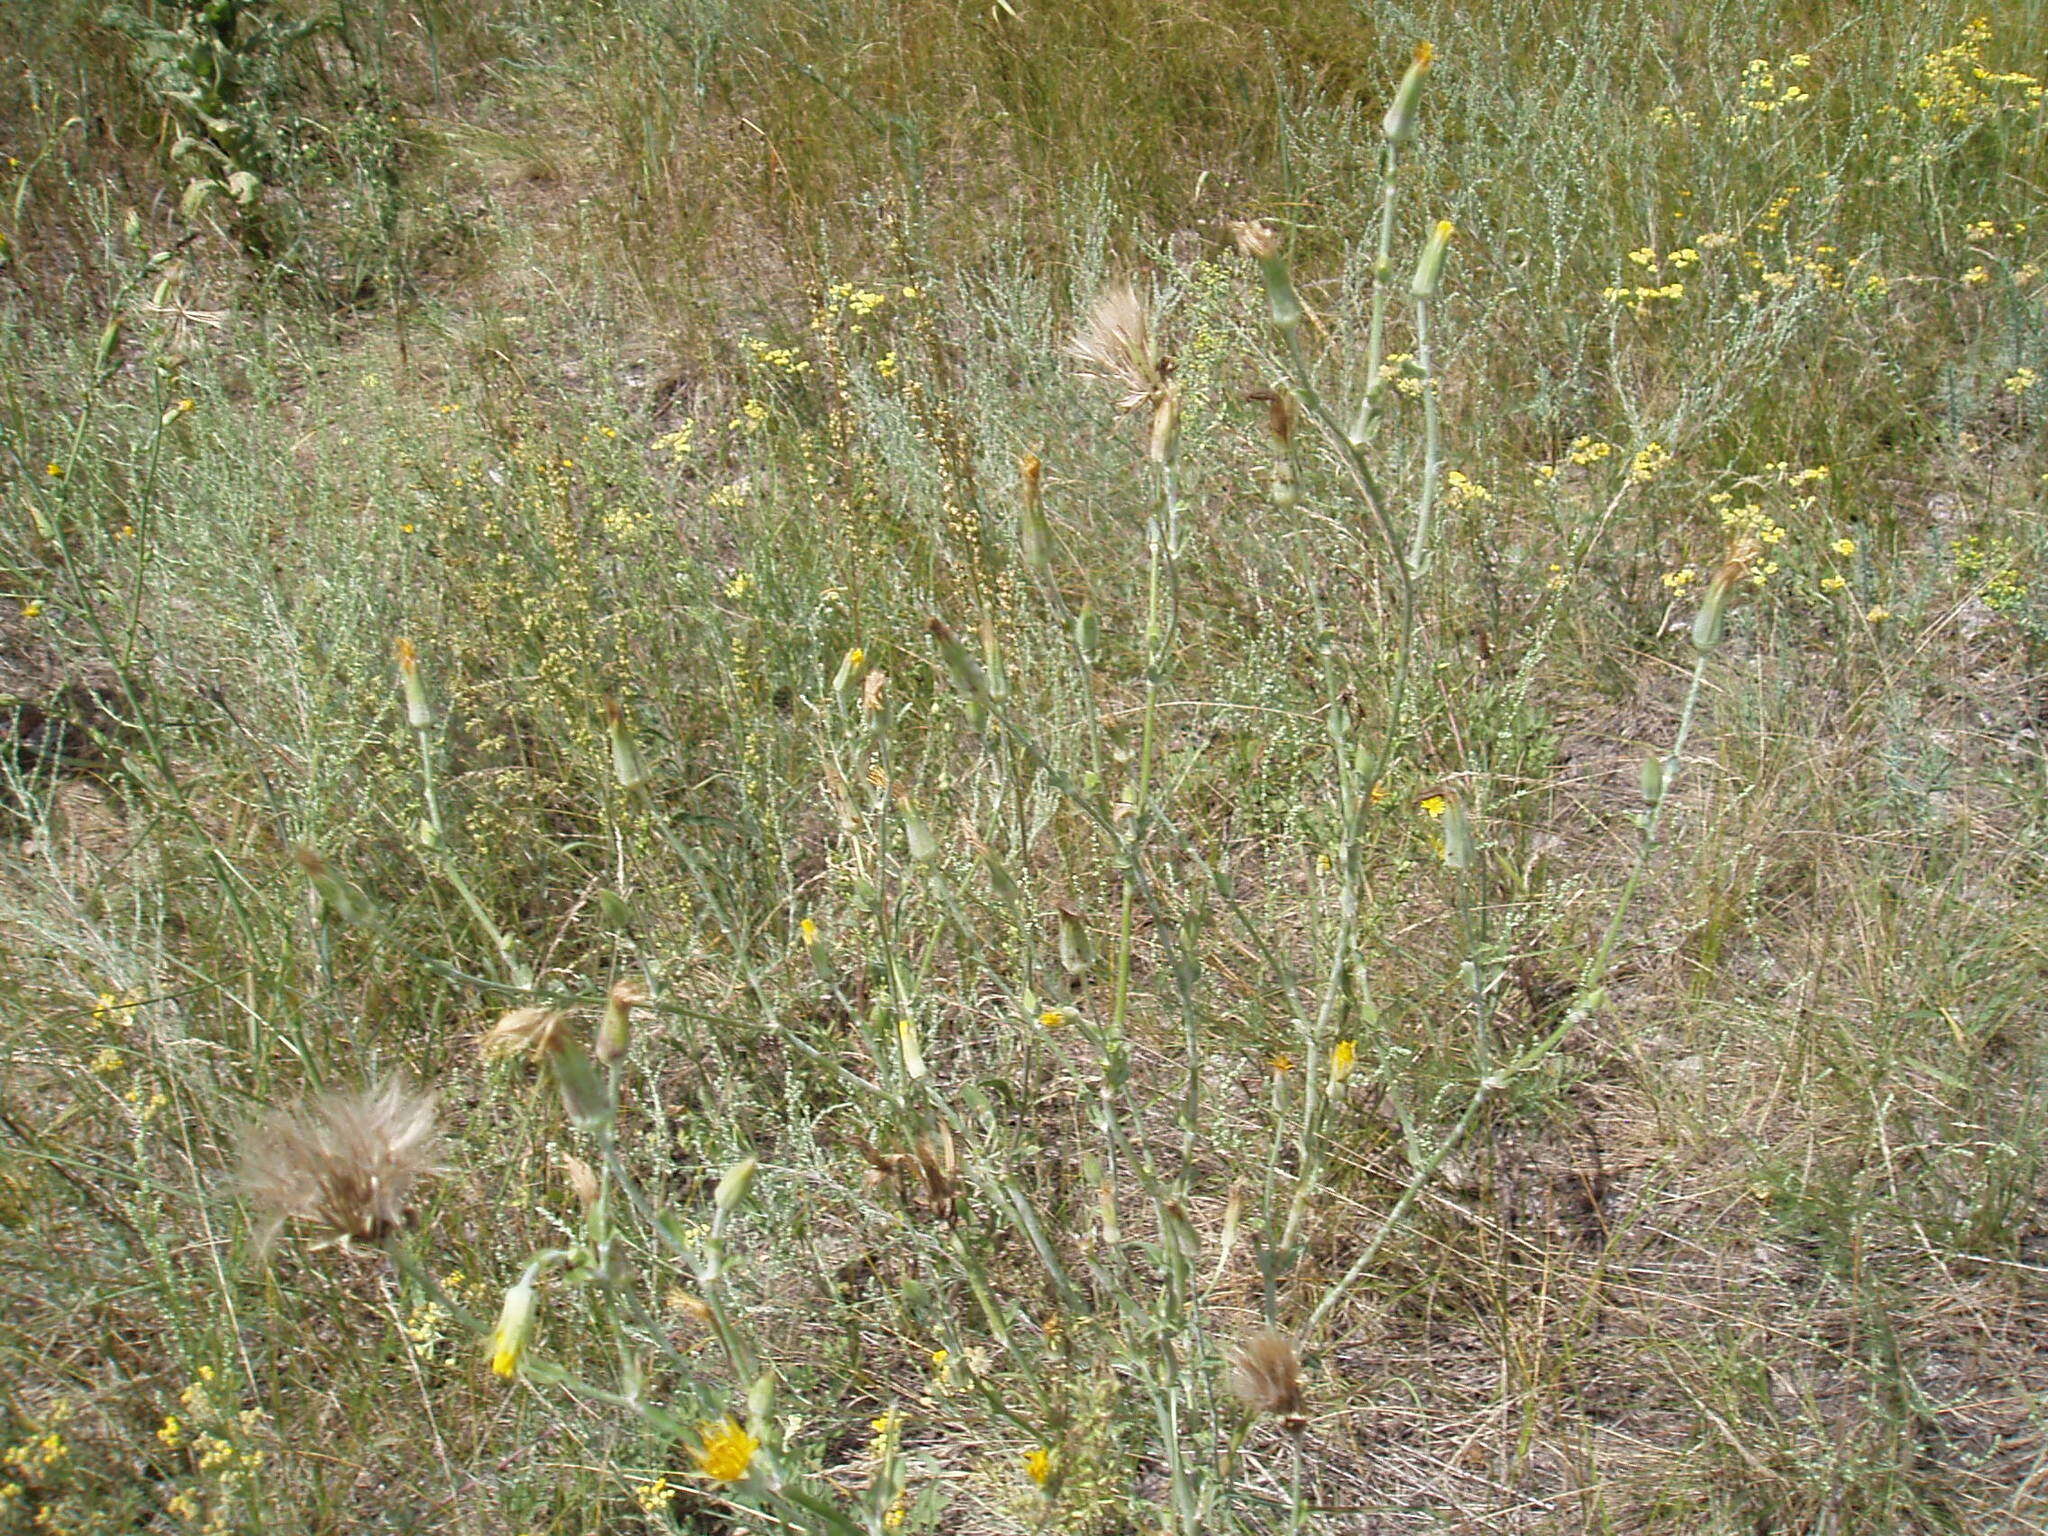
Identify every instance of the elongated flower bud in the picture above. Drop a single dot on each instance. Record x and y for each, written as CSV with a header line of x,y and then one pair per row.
x,y
1401,120
335,893
1653,779
1261,242
615,1030
961,666
1163,447
515,1326
1429,268
912,1052
1033,532
735,1184
1709,625
629,767
586,1097
1457,834
917,832
418,713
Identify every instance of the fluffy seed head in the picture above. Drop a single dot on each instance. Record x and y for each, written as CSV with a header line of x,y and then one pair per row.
x,y
1265,1375
343,1164
1115,344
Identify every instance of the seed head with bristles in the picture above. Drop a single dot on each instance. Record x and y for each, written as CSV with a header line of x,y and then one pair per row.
x,y
344,1164
1265,1375
1115,344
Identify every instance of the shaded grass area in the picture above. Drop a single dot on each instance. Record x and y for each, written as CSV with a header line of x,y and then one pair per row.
x,y
638,364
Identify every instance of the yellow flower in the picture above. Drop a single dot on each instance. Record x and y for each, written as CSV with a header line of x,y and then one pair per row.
x,y
54,470
1053,1018
1433,805
809,930
1844,547
1833,583
654,1497
31,609
1343,1060
1038,1465
515,1327
725,1451
1281,1063
2020,382
172,1433
1878,614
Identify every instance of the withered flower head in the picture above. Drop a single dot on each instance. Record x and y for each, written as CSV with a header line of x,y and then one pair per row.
x,y
1115,344
1265,1375
343,1164
531,1030
1255,239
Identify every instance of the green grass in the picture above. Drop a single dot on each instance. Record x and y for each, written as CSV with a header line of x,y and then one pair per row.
x,y
1682,1164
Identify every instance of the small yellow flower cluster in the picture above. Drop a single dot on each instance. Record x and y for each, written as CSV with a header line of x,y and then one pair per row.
x,y
1588,450
1038,1465
741,584
1774,214
851,299
1400,370
2021,380
781,359
1957,89
1674,117
1460,490
752,414
1650,461
655,1497
1642,296
1679,580
1990,229
1760,88
681,442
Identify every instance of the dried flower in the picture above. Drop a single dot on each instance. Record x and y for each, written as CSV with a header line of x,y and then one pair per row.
x,y
344,1164
526,1030
1265,1375
1116,345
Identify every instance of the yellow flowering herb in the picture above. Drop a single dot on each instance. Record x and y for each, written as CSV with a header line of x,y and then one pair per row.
x,y
724,1452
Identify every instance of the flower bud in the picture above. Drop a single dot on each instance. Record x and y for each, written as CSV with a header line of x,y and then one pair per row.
x,y
586,1097
851,666
961,666
1653,779
912,1051
418,713
615,1030
1088,634
1429,268
1261,242
1033,532
1164,444
629,767
1400,122
924,848
515,1326
1457,834
735,1184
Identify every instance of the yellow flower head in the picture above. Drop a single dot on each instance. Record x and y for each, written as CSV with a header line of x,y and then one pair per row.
x,y
1433,805
724,1452
1343,1060
1038,1465
1845,547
